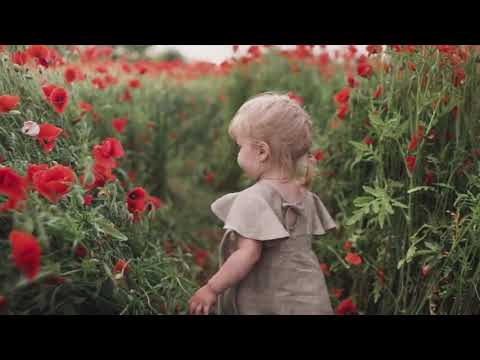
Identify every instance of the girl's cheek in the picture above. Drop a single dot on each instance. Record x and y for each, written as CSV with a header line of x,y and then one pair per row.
x,y
239,159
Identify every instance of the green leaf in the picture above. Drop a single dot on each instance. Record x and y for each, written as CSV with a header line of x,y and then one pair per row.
x,y
370,190
445,185
419,188
388,207
381,219
106,227
360,146
399,204
361,201
432,246
357,216
411,253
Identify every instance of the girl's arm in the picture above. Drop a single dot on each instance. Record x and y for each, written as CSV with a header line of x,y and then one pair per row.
x,y
237,266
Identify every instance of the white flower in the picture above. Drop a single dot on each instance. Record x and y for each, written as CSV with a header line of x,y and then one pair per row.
x,y
30,128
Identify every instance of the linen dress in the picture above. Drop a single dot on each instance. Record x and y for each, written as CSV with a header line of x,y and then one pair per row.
x,y
287,279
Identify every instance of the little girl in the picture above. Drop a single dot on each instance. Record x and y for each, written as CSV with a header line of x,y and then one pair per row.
x,y
267,265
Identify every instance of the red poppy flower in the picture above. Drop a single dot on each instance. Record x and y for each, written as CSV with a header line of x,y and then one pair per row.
x,y
428,178
296,98
101,69
110,80
342,96
346,307
134,83
142,69
55,58
106,153
47,136
425,270
80,251
99,83
254,50
210,177
136,201
351,81
381,277
362,59
374,49
364,70
458,76
342,111
59,99
318,155
294,68
120,266
131,176
8,102
411,66
87,199
126,96
409,48
156,202
85,107
347,245
411,160
352,49
26,253
353,259
325,269
337,292
70,74
201,257
368,140
12,185
420,131
378,92
12,204
119,124
126,68
102,174
396,48
40,53
19,57
32,169
413,143
47,90
54,183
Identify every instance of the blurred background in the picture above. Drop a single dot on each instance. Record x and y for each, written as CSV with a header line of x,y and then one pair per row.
x,y
211,53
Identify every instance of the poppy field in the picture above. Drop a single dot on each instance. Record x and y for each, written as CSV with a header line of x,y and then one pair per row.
x,y
109,164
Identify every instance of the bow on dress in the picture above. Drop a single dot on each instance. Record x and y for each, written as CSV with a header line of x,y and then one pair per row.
x,y
290,209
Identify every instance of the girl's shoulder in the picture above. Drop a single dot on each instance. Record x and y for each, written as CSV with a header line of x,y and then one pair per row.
x,y
251,212
255,194
258,212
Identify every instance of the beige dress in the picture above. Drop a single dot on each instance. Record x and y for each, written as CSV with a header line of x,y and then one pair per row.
x,y
287,279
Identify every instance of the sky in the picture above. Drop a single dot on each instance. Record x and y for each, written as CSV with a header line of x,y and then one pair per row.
x,y
218,53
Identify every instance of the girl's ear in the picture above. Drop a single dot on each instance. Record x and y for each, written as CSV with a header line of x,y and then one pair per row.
x,y
263,151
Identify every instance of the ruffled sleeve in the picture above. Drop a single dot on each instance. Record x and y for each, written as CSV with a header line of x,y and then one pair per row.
x,y
321,219
249,215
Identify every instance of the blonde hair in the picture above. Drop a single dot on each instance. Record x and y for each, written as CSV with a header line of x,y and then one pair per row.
x,y
287,129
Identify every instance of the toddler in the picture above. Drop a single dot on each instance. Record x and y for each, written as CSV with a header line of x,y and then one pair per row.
x,y
267,265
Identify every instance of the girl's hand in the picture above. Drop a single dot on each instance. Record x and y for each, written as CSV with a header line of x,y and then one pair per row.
x,y
202,301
